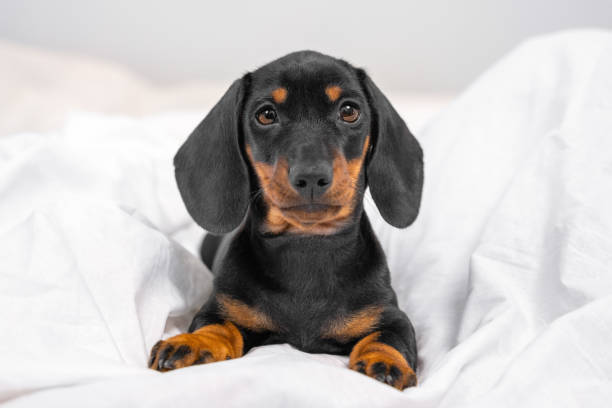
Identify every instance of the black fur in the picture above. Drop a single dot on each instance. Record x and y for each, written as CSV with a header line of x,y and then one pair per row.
x,y
210,172
301,281
397,158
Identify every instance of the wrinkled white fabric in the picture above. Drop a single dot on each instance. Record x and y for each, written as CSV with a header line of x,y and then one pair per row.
x,y
506,274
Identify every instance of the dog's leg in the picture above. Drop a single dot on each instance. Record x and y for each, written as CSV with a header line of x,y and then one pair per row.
x,y
223,329
211,338
213,342
208,249
388,354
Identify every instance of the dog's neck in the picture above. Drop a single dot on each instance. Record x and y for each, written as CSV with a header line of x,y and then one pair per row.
x,y
309,255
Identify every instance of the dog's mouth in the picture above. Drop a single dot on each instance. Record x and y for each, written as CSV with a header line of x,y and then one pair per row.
x,y
311,208
311,213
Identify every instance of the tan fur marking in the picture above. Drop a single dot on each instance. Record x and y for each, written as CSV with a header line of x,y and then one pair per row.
x,y
277,189
279,95
350,327
333,92
369,352
244,315
214,342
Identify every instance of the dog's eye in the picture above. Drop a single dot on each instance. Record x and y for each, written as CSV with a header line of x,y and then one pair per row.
x,y
266,116
349,113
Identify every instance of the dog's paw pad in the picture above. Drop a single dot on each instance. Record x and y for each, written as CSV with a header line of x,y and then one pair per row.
x,y
186,350
386,373
383,363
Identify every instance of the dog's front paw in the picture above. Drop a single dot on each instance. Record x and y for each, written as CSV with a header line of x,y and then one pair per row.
x,y
382,362
215,342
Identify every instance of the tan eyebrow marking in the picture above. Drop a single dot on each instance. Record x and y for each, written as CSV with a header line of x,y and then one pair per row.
x,y
333,92
279,95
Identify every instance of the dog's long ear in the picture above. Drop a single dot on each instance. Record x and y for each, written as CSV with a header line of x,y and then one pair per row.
x,y
210,171
395,166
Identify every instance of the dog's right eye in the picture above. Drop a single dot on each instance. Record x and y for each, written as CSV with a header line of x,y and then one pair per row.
x,y
266,116
349,113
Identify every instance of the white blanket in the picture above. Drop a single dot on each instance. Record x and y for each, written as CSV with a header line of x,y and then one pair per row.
x,y
506,275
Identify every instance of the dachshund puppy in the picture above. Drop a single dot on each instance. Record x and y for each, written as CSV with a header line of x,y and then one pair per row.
x,y
277,171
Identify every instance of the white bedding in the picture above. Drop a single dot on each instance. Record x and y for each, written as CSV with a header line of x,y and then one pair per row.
x,y
506,274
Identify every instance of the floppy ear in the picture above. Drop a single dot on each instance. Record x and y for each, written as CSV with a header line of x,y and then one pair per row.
x,y
210,171
395,166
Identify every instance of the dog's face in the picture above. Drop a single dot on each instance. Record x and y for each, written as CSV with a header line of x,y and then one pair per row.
x,y
304,135
306,125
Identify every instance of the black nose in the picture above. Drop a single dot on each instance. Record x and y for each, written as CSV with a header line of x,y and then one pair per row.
x,y
311,181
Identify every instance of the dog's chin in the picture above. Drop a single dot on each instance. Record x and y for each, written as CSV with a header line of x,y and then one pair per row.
x,y
310,214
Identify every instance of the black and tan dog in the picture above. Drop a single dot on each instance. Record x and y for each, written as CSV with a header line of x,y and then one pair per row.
x,y
282,161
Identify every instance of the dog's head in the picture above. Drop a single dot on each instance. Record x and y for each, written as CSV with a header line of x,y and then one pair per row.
x,y
302,137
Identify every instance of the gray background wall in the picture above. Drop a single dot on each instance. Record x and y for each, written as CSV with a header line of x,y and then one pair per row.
x,y
438,45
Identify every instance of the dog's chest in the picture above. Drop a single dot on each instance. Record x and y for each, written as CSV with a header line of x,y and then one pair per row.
x,y
301,316
309,294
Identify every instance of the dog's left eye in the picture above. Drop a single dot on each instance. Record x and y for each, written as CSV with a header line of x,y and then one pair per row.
x,y
349,113
266,116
